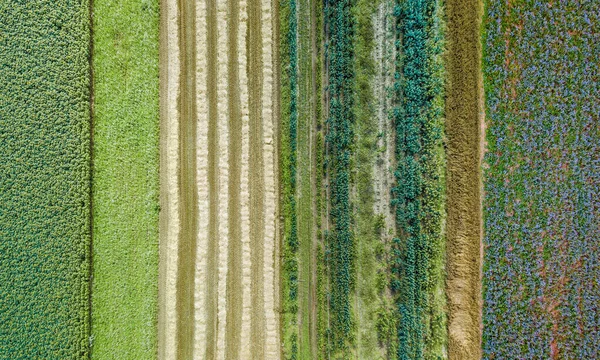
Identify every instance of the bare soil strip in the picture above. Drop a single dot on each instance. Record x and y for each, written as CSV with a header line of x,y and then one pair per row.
x,y
246,289
271,347
202,179
234,277
257,195
223,56
169,194
463,284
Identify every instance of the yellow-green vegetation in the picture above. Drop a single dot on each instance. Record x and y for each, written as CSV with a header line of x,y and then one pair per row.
x,y
125,187
463,227
44,179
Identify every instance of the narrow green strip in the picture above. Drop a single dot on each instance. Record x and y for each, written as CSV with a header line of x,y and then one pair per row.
x,y
126,179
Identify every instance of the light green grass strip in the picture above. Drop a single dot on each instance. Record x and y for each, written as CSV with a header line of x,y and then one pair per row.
x,y
125,179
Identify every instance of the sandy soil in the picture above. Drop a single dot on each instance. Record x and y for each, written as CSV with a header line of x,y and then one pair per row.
x,y
245,183
202,178
271,328
169,158
222,51
463,129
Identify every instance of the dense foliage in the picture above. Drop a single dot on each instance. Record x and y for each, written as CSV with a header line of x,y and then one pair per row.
x,y
419,194
125,187
340,243
289,139
44,179
542,180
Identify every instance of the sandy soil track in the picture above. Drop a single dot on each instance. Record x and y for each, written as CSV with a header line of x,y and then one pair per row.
x,y
219,187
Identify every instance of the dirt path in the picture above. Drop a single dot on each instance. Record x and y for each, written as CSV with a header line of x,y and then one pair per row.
x,y
169,194
271,347
463,284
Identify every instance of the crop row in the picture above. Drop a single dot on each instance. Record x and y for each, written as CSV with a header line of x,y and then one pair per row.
x,y
44,179
419,194
289,135
542,182
339,137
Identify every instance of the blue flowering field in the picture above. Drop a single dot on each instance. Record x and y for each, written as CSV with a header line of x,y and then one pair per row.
x,y
542,180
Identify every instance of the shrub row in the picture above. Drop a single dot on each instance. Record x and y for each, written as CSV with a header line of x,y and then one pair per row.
x,y
419,193
542,182
44,179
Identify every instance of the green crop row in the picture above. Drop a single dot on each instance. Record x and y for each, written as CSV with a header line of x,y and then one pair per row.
x,y
339,139
419,194
289,125
44,179
126,179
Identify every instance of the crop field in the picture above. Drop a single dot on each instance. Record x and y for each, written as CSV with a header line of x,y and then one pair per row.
x,y
125,193
542,181
44,180
299,179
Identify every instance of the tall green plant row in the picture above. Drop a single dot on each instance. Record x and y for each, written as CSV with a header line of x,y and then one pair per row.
x,y
419,194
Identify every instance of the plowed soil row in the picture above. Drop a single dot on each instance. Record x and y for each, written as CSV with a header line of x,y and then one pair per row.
x,y
219,188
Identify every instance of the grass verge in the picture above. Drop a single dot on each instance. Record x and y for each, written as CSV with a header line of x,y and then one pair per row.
x,y
126,179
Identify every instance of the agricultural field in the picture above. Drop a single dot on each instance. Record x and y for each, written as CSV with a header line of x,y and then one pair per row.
x,y
218,290
299,179
44,180
542,181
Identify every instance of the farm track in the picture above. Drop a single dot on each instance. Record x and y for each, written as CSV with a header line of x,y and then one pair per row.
x,y
464,224
219,192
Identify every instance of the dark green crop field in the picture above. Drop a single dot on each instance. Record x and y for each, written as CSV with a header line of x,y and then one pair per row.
x,y
44,179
